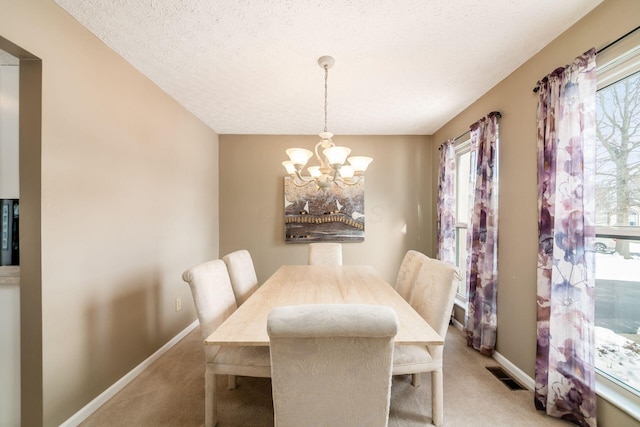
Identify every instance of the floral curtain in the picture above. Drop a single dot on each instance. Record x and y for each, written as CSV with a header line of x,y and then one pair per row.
x,y
447,203
482,236
565,375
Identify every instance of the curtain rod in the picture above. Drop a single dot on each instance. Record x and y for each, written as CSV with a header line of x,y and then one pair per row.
x,y
537,88
618,39
455,139
461,135
497,113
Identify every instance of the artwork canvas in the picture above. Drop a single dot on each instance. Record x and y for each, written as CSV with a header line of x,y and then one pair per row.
x,y
313,215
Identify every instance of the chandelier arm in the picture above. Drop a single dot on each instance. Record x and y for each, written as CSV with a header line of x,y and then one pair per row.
x,y
350,182
318,145
335,176
340,183
303,181
303,178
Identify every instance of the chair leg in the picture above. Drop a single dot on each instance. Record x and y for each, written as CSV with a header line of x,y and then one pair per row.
x,y
415,380
210,419
232,382
437,396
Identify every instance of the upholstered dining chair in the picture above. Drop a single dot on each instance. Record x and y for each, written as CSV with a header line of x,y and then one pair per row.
x,y
214,302
408,273
242,274
324,254
432,297
331,364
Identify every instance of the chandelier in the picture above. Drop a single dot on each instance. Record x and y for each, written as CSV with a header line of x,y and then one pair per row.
x,y
333,168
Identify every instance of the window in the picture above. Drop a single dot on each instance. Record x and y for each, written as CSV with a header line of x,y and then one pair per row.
x,y
617,215
463,165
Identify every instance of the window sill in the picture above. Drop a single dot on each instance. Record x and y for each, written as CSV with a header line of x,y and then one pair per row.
x,y
616,395
459,301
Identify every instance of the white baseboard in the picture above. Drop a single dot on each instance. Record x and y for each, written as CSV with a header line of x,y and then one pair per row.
x,y
101,399
616,395
518,373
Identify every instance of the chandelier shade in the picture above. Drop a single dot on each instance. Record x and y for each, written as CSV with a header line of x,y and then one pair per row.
x,y
333,168
288,165
360,163
299,156
314,171
337,155
347,171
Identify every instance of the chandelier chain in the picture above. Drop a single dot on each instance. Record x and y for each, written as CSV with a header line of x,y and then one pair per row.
x,y
326,76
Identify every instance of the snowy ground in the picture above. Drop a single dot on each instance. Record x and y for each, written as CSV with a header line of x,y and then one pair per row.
x,y
613,266
618,354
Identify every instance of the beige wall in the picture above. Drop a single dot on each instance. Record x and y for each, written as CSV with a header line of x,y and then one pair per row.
x,y
398,192
129,200
514,98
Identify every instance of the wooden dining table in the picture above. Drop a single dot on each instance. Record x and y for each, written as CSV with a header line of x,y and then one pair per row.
x,y
320,284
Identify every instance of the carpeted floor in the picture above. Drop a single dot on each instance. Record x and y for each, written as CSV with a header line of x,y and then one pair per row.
x,y
171,393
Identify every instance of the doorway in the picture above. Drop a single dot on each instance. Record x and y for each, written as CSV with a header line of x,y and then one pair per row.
x,y
24,287
9,268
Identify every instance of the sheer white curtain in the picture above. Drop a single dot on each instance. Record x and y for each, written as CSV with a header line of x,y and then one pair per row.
x,y
482,236
447,203
565,373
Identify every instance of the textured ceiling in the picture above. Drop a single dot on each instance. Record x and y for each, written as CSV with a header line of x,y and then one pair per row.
x,y
402,67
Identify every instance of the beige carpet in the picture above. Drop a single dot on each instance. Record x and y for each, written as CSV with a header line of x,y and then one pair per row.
x,y
171,393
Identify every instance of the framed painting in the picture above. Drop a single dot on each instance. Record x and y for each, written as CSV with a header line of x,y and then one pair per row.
x,y
333,215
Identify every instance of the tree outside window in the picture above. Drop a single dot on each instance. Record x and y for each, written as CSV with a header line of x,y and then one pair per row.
x,y
617,232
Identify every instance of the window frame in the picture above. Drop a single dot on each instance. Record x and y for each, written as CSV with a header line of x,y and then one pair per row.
x,y
615,63
462,148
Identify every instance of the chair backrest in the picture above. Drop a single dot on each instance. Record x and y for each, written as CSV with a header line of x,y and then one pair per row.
x,y
242,274
331,364
408,273
325,254
434,293
212,294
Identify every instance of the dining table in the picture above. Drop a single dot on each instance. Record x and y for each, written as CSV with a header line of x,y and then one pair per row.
x,y
320,284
